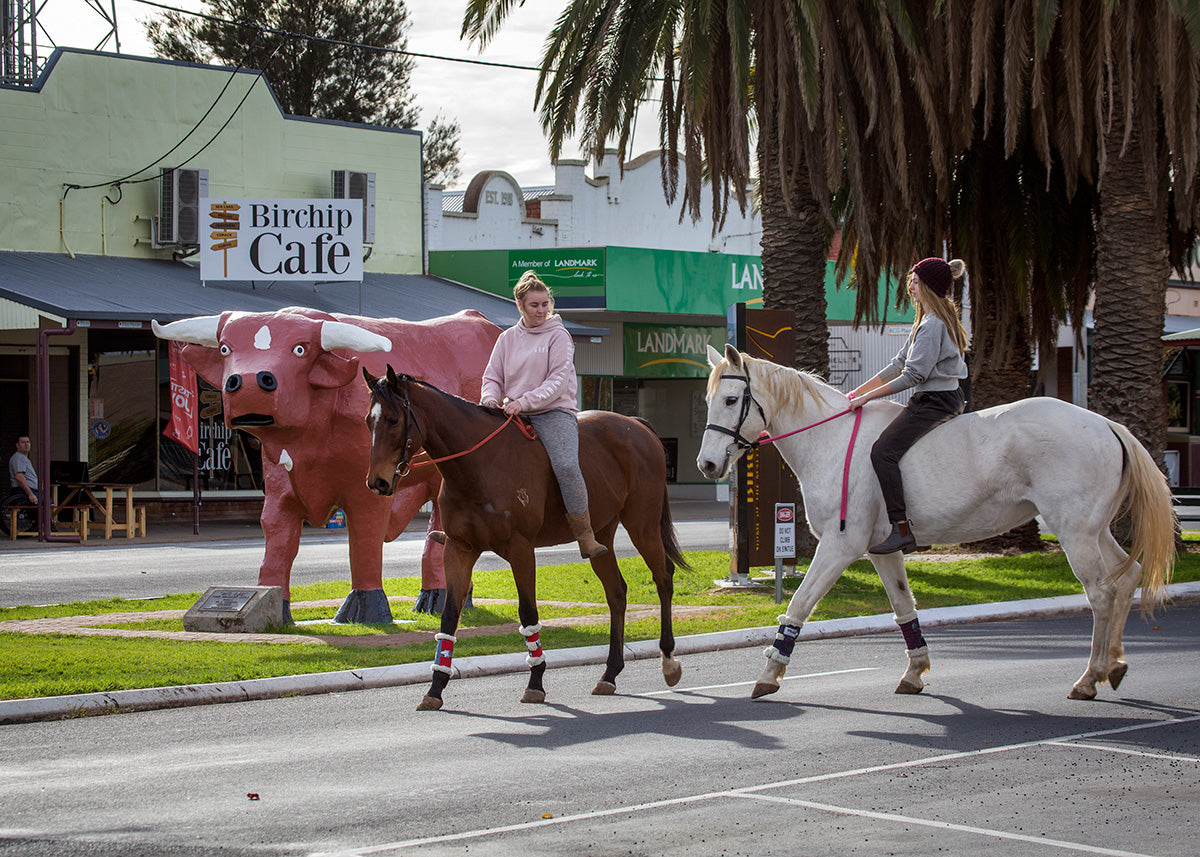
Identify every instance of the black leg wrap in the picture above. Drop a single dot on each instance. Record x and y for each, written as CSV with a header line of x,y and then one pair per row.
x,y
913,638
535,676
440,679
785,639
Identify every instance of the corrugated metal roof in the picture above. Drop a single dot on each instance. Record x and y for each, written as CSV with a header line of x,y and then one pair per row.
x,y
452,201
538,192
120,289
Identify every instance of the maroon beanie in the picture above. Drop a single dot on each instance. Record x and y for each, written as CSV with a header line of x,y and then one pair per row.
x,y
935,273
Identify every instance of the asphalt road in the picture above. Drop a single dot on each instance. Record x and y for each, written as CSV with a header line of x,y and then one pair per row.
x,y
53,574
992,756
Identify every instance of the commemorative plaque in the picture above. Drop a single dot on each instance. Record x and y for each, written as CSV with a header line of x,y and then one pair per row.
x,y
236,610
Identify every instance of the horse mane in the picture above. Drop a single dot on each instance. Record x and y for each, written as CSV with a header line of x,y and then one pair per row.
x,y
783,384
382,386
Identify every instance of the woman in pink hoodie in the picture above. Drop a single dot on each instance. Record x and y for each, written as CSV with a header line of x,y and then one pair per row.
x,y
532,372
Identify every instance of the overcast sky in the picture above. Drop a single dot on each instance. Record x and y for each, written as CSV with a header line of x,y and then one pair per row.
x,y
494,106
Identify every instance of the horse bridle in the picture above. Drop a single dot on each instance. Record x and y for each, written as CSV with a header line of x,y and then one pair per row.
x,y
410,420
747,399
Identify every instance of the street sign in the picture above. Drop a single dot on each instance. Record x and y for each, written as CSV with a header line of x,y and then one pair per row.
x,y
785,530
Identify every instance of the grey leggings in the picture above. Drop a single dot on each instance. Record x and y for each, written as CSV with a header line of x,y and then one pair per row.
x,y
559,432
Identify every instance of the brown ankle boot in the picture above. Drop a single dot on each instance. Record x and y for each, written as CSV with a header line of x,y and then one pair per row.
x,y
901,539
581,529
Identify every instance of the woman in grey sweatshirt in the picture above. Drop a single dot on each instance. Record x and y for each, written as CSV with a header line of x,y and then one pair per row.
x,y
931,361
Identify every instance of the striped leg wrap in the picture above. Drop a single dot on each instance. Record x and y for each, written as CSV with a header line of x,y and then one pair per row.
x,y
444,654
785,640
533,642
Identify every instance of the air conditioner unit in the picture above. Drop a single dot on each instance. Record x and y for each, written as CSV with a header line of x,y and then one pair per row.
x,y
347,184
180,192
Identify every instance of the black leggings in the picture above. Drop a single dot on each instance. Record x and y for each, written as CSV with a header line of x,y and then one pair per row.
x,y
924,412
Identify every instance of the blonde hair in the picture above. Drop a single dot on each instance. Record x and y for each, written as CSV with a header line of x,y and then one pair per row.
x,y
531,282
944,308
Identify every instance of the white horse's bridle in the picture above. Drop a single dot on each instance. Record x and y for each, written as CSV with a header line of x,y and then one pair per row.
x,y
736,431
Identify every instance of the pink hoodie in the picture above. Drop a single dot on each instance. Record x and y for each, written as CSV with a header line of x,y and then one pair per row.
x,y
534,366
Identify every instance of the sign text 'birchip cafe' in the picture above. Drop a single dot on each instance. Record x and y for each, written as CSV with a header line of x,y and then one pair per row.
x,y
281,239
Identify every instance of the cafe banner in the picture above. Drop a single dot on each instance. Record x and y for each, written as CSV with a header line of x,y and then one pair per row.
x,y
184,423
670,350
281,239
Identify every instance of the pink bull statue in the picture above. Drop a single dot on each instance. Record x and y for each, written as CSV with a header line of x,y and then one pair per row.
x,y
292,379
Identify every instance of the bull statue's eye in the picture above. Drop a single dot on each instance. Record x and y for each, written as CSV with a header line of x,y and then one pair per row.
x,y
298,350
225,350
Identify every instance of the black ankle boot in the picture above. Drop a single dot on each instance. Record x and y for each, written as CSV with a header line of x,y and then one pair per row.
x,y
901,539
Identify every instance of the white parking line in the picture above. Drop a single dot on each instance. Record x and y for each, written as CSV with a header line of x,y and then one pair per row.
x,y
756,792
944,825
1109,749
748,683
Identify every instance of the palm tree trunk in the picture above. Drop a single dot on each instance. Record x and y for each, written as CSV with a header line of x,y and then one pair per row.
x,y
1131,284
794,244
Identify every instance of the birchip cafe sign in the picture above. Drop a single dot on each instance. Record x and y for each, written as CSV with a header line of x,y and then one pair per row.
x,y
281,239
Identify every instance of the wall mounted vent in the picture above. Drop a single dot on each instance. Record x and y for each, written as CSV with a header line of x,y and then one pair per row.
x,y
180,192
348,184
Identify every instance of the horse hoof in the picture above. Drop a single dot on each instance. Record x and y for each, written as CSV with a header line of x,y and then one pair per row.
x,y
430,703
673,674
762,689
532,695
604,688
1080,693
1116,674
906,686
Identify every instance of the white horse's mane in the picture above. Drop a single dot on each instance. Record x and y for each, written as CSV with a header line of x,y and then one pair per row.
x,y
782,384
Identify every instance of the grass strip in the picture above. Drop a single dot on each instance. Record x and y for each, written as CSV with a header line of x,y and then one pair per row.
x,y
54,664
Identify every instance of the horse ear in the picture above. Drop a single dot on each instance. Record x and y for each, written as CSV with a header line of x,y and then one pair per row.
x,y
714,356
391,375
368,377
733,357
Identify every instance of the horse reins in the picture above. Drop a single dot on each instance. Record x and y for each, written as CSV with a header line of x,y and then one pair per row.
x,y
742,443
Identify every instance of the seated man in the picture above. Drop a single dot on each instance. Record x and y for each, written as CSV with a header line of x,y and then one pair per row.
x,y
23,478
21,474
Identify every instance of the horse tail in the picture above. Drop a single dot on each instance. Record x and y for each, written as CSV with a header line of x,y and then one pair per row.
x,y
1147,496
670,541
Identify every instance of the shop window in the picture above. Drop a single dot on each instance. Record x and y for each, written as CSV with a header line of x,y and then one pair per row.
x,y
122,429
229,460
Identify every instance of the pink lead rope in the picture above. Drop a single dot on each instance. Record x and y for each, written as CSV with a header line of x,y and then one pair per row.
x,y
849,452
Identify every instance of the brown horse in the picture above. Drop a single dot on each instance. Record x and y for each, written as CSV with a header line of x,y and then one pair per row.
x,y
504,498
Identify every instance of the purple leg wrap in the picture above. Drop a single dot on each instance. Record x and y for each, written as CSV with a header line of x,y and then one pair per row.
x,y
913,639
785,639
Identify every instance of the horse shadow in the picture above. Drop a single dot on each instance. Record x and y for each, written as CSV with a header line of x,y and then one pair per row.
x,y
970,726
722,719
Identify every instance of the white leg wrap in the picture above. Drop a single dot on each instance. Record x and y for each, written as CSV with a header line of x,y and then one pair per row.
x,y
918,653
785,619
907,617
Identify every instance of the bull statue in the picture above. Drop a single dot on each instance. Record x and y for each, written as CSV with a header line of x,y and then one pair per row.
x,y
291,378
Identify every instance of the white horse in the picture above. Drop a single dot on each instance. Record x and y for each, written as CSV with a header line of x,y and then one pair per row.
x,y
973,477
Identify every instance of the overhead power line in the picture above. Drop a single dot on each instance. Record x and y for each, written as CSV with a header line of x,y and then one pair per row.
x,y
323,40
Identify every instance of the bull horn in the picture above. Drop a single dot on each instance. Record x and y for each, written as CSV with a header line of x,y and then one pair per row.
x,y
200,330
338,334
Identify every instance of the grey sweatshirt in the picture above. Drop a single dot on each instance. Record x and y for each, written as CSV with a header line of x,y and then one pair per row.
x,y
928,361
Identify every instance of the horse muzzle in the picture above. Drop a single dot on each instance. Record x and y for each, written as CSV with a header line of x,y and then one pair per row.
x,y
381,486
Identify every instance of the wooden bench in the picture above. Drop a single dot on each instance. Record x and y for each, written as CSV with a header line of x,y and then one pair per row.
x,y
77,524
138,529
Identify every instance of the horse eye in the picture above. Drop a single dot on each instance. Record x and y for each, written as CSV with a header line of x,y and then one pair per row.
x,y
298,350
730,401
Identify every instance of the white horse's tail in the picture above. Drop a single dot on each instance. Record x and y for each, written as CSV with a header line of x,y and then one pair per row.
x,y
1147,496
